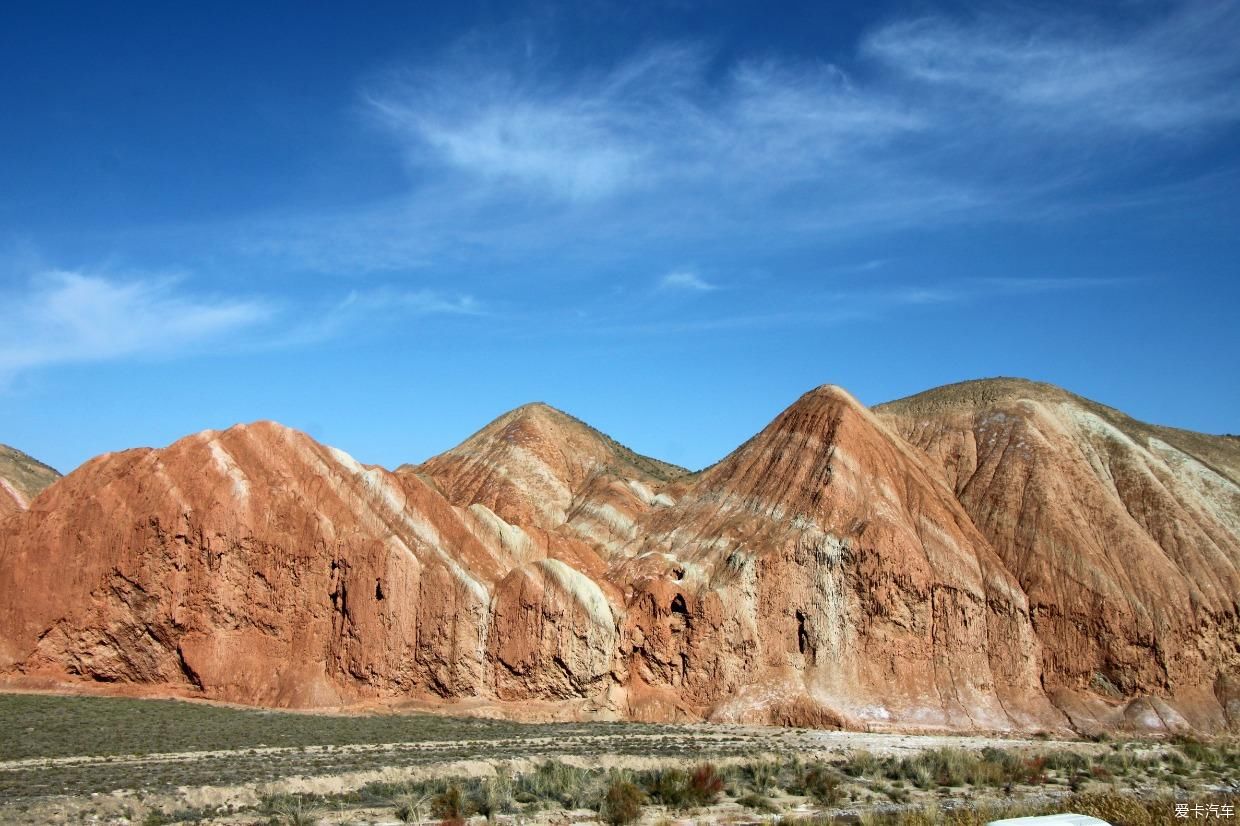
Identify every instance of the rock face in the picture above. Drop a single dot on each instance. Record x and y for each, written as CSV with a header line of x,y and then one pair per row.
x,y
899,569
823,574
22,478
1124,536
539,466
256,565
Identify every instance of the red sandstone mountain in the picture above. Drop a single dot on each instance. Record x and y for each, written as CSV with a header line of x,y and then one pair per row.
x,y
22,478
827,576
538,466
1124,536
837,569
259,566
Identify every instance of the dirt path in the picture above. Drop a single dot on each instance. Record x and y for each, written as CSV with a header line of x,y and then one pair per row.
x,y
709,740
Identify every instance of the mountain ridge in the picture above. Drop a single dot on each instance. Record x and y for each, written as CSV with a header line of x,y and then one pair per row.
x,y
925,564
1206,444
1150,591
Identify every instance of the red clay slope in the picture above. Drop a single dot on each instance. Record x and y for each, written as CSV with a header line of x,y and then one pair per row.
x,y
825,573
830,577
258,566
1125,536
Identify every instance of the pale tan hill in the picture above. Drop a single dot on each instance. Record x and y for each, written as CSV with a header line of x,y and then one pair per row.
x,y
22,478
1124,535
1221,453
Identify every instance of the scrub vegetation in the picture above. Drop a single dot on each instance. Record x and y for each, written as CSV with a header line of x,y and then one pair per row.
x,y
82,759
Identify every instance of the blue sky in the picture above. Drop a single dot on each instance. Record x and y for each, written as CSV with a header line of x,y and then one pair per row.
x,y
386,228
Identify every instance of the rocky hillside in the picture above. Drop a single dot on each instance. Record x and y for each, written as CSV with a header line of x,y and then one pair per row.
x,y
22,478
257,565
990,556
823,574
1123,535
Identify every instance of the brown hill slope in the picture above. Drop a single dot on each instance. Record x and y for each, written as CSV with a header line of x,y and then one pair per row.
x,y
1125,536
22,478
827,572
539,466
256,565
823,573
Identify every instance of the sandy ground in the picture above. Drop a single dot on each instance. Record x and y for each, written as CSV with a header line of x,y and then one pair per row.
x,y
807,742
713,741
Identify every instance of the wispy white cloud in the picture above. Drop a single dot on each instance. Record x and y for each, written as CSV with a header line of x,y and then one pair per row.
x,y
1048,284
686,280
869,265
919,295
933,120
655,119
833,306
405,303
958,290
372,311
573,143
63,316
1175,73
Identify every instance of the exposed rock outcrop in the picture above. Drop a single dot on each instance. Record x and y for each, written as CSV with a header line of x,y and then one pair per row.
x,y
975,561
1124,536
829,575
259,566
538,466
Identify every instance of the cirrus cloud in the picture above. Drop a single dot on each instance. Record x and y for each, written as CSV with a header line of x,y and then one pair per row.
x,y
686,280
65,316
671,151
